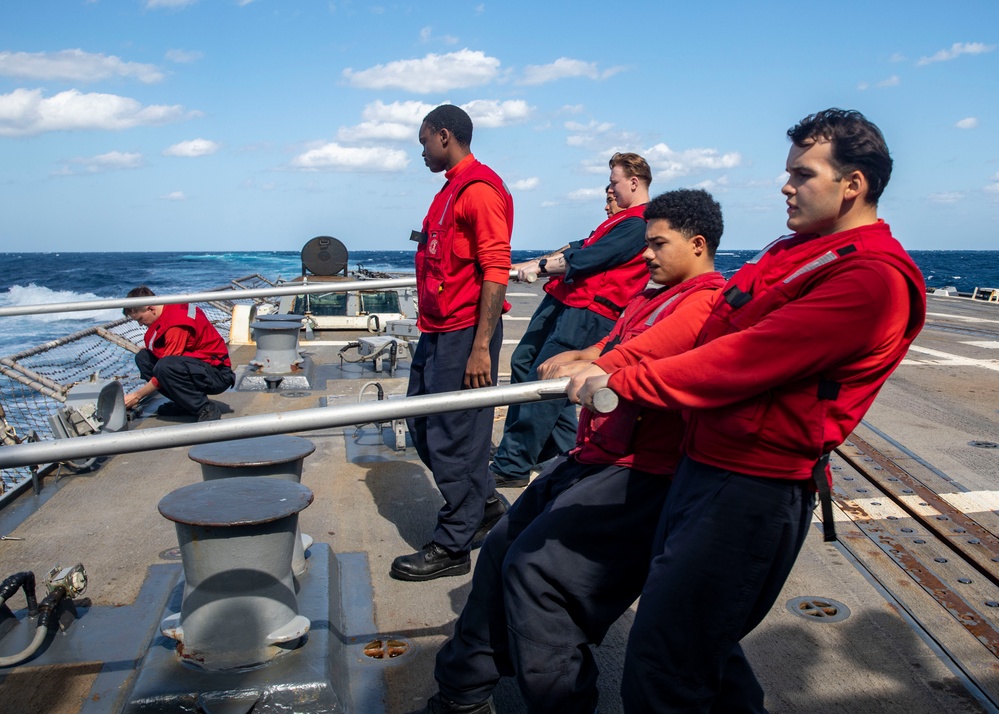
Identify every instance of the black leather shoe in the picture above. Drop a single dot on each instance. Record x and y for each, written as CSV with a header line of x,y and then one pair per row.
x,y
496,506
504,481
437,704
210,412
431,561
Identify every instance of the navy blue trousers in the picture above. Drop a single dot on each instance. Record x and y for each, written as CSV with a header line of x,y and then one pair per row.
x,y
567,559
537,431
454,445
185,381
725,545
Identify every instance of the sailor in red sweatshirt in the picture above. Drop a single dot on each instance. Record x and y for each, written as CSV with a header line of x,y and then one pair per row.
x,y
791,357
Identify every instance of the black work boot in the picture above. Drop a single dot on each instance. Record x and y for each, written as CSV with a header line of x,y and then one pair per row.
x,y
496,506
431,561
438,704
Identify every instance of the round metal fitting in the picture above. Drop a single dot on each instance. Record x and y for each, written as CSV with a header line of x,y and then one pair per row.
x,y
984,444
170,554
818,609
386,649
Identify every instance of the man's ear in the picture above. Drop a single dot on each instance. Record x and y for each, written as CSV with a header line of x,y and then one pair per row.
x,y
856,185
446,137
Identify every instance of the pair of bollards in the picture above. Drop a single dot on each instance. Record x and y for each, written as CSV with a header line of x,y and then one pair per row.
x,y
241,550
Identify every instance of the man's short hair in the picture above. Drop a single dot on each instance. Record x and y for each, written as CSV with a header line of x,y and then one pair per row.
x,y
857,145
141,291
454,119
633,165
690,212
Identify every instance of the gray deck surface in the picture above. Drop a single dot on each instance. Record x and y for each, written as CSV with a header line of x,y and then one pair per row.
x,y
874,661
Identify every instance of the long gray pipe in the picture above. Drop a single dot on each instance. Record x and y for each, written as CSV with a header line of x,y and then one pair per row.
x,y
287,289
46,452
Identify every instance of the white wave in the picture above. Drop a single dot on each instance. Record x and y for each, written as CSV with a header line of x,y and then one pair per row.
x,y
31,294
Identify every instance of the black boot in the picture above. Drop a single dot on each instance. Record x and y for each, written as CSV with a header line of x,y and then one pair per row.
x,y
496,506
431,561
437,704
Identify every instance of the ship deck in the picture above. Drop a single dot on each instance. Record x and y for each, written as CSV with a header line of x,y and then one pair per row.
x,y
886,626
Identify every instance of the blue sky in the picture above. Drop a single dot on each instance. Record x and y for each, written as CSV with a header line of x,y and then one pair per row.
x,y
258,124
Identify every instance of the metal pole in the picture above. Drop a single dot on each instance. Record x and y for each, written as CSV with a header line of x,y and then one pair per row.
x,y
286,289
266,424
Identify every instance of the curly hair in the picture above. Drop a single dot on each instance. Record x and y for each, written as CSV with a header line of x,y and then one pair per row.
x,y
690,212
454,119
857,145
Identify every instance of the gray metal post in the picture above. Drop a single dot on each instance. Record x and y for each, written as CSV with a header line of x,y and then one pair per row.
x,y
280,457
236,540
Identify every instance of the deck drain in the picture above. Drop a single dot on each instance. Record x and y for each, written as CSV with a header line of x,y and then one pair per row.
x,y
296,395
984,444
170,554
385,649
818,609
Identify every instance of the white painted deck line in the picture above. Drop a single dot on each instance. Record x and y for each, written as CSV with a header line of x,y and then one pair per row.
x,y
960,318
945,358
973,501
986,344
508,317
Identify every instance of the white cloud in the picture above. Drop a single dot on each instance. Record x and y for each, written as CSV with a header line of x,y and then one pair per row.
x,y
376,131
713,185
400,121
24,112
397,121
111,161
588,194
897,57
433,73
956,50
528,184
572,109
75,66
492,114
174,196
967,123
892,81
334,157
184,56
994,186
192,148
410,112
946,197
151,4
427,35
563,68
669,164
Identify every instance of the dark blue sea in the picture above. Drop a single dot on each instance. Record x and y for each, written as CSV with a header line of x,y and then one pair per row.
x,y
32,278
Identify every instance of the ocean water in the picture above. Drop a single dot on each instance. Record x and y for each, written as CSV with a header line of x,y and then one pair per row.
x,y
32,278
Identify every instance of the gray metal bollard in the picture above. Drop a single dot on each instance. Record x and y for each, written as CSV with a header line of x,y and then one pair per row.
x,y
279,456
236,539
277,346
